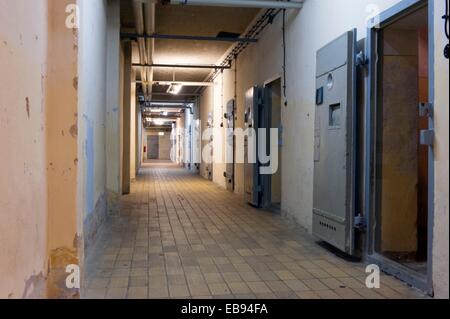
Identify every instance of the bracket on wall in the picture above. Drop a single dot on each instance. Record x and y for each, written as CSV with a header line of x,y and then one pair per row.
x,y
427,137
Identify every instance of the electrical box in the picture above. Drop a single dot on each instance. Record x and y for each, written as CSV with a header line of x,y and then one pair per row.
x,y
334,143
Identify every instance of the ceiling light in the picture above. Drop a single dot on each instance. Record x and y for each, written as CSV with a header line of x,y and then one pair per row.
x,y
165,113
175,88
159,122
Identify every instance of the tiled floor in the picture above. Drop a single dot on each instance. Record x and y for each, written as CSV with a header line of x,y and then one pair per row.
x,y
180,236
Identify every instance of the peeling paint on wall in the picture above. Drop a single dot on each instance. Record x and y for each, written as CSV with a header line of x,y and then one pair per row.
x,y
34,286
74,131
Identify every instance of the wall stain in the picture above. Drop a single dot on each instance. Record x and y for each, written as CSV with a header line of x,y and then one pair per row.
x,y
27,107
60,258
74,131
75,161
35,286
75,83
75,39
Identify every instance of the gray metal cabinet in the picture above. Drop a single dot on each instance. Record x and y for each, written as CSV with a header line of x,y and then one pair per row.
x,y
334,143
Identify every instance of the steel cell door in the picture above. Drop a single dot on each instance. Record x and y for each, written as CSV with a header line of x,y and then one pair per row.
x,y
334,143
257,106
229,174
152,147
251,167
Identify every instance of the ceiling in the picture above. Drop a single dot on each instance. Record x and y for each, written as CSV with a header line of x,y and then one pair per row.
x,y
193,21
413,21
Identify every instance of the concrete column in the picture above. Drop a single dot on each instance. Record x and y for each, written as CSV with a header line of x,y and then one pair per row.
x,y
113,104
126,119
133,128
139,138
61,84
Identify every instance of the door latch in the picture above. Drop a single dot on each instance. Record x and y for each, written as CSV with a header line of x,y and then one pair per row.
x,y
360,223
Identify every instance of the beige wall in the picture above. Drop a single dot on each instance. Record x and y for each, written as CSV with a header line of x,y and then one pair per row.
x,y
58,131
23,163
441,222
61,134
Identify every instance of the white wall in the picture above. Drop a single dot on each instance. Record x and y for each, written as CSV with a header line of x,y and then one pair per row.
x,y
113,98
263,61
92,114
318,23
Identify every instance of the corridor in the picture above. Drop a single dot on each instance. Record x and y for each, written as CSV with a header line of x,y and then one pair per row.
x,y
224,149
180,236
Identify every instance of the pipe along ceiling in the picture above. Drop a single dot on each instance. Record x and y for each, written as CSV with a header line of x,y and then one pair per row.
x,y
144,16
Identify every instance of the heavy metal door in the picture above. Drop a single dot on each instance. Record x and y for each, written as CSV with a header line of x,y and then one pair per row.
x,y
229,174
152,147
209,165
257,106
251,167
334,143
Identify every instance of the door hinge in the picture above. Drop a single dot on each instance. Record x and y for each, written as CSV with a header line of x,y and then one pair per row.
x,y
427,137
426,109
361,59
360,223
260,102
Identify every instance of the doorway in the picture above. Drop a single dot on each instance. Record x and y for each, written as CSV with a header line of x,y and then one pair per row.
x,y
152,147
402,164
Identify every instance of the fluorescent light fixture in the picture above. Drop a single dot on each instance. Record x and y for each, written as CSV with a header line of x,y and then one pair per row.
x,y
166,103
175,88
160,122
184,83
161,133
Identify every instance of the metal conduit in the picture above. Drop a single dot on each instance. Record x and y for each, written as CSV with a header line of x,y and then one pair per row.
x,y
149,14
242,3
139,18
